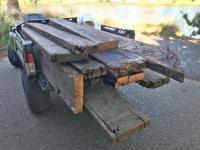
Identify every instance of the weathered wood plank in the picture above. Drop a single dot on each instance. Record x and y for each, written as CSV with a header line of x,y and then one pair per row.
x,y
120,62
101,38
118,118
124,42
70,84
153,79
53,51
90,68
159,59
66,81
165,69
74,43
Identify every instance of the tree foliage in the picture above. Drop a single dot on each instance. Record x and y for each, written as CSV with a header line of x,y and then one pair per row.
x,y
195,22
5,24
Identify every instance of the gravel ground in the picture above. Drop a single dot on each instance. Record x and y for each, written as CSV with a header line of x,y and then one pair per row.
x,y
173,110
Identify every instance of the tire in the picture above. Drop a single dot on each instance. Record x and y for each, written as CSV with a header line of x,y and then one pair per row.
x,y
13,58
38,100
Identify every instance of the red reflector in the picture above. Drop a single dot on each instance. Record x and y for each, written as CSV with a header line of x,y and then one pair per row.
x,y
28,58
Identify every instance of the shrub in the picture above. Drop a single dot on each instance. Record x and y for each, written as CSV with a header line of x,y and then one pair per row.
x,y
5,24
169,31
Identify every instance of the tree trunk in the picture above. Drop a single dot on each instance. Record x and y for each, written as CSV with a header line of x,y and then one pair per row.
x,y
13,8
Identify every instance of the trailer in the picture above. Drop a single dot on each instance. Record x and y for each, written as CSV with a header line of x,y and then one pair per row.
x,y
85,66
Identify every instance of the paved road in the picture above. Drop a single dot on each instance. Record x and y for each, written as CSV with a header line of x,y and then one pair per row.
x,y
173,109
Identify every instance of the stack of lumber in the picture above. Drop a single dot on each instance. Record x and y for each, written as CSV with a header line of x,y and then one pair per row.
x,y
72,54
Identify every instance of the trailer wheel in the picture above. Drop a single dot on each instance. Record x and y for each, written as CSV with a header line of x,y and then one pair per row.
x,y
13,58
38,100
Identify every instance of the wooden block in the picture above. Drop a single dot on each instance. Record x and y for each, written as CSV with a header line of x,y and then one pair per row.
x,y
125,80
74,43
101,38
153,79
120,62
70,86
90,68
118,118
129,79
54,52
66,81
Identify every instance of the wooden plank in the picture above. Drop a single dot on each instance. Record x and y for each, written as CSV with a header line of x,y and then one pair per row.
x,y
165,69
66,81
124,42
125,80
53,51
90,68
74,43
70,86
129,79
118,118
120,62
159,59
153,79
101,38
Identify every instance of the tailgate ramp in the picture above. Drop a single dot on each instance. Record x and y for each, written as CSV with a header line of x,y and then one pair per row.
x,y
117,117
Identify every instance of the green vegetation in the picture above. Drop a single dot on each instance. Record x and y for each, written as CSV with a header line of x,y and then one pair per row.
x,y
169,31
5,24
195,22
164,30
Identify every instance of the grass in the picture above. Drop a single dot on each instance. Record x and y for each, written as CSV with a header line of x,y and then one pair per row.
x,y
5,24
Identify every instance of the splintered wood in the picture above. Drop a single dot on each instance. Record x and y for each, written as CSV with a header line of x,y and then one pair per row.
x,y
160,60
120,62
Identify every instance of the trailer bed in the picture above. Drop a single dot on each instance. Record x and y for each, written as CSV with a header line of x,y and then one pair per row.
x,y
85,66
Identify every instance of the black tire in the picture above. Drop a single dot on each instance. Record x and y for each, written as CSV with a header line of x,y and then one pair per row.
x,y
13,58
38,100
